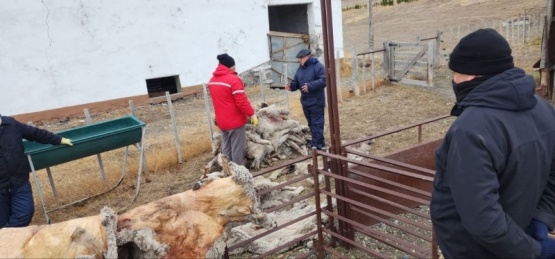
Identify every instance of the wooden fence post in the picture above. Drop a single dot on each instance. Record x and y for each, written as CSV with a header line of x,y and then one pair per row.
x,y
386,60
261,83
518,29
174,127
437,48
372,64
208,115
354,72
364,73
512,32
287,94
431,57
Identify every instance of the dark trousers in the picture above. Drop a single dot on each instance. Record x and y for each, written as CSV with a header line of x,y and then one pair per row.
x,y
234,144
315,117
16,206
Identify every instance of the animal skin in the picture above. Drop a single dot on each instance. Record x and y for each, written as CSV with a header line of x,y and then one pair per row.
x,y
190,224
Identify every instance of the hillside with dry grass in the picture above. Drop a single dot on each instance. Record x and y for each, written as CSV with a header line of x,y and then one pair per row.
x,y
406,21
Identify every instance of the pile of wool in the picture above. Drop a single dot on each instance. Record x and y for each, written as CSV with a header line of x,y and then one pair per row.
x,y
276,137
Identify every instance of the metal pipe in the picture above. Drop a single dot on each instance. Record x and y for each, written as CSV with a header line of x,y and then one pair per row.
x,y
98,156
355,244
39,189
391,224
392,162
288,244
141,158
273,168
390,203
435,252
371,52
391,240
379,167
377,188
290,202
329,205
352,142
244,242
279,186
51,180
392,183
314,172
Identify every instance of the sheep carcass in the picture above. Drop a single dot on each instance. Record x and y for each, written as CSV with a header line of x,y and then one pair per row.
x,y
185,225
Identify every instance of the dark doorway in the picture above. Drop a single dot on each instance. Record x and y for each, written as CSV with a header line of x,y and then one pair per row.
x,y
289,18
159,86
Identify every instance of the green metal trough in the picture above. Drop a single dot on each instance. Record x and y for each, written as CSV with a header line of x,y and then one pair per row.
x,y
87,140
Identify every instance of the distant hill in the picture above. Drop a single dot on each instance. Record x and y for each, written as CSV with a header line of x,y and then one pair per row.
x,y
424,17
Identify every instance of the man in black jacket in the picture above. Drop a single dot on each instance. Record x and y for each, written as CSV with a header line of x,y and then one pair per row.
x,y
494,188
16,196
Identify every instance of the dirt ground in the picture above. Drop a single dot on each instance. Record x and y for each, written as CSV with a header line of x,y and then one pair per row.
x,y
388,107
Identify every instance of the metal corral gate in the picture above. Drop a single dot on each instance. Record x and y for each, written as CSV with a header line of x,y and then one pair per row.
x,y
412,63
377,206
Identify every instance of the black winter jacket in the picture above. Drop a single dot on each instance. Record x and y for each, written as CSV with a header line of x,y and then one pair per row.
x,y
14,166
495,171
313,74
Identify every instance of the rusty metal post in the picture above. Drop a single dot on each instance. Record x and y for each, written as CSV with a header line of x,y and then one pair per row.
x,y
435,252
329,205
333,113
314,171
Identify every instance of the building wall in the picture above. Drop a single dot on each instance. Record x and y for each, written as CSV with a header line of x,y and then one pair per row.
x,y
56,53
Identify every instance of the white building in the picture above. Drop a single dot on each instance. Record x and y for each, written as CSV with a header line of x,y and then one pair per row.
x,y
56,54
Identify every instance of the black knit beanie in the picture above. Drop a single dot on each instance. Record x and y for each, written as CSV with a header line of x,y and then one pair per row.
x,y
226,60
482,52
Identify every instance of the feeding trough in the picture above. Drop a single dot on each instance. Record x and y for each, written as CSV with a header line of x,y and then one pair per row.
x,y
88,140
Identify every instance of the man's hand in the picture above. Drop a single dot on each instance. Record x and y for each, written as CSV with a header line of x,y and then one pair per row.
x,y
305,88
288,87
254,120
66,141
538,230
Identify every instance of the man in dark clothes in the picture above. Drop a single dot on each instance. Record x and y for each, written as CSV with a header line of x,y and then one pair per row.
x,y
494,188
16,196
310,78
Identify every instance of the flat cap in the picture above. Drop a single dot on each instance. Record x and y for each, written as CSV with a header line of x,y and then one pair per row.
x,y
303,53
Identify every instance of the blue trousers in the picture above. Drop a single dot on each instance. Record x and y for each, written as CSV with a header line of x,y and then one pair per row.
x,y
315,117
16,206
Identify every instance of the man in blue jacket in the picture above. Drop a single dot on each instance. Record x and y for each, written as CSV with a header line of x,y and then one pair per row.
x,y
494,188
16,196
311,80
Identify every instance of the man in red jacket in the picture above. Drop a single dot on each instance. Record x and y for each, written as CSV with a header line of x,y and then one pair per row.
x,y
232,107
